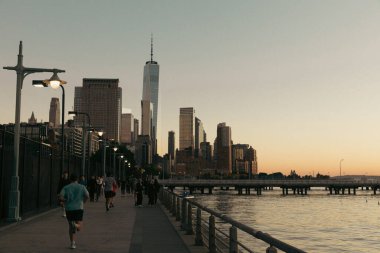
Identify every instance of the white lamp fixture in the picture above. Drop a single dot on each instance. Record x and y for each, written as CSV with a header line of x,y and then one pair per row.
x,y
54,81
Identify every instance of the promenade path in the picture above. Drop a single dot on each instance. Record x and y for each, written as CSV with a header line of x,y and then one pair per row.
x,y
125,228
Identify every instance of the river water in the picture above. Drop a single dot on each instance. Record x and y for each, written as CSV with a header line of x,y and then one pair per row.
x,y
317,222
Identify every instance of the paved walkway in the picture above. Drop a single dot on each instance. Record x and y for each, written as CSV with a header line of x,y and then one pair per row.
x,y
125,228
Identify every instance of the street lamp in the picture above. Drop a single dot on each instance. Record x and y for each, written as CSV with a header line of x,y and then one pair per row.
x,y
104,144
84,133
55,82
21,72
114,161
121,159
340,167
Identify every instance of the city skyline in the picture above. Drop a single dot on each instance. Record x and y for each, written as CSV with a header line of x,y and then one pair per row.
x,y
296,80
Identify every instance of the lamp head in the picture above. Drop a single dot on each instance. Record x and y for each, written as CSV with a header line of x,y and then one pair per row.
x,y
100,133
54,81
121,156
39,83
115,149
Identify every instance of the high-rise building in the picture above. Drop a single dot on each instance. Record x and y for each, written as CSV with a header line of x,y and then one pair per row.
x,y
244,160
54,112
150,92
224,152
32,120
199,136
239,165
186,128
146,117
171,144
143,152
135,130
206,151
126,128
102,100
251,157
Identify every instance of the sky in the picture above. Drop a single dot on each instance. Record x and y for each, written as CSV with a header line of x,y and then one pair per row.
x,y
297,80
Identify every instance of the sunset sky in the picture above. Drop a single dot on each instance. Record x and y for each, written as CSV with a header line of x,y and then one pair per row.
x,y
297,80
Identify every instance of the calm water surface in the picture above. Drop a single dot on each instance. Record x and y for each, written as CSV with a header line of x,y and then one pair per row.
x,y
317,222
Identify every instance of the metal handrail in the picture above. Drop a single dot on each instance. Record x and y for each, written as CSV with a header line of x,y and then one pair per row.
x,y
265,237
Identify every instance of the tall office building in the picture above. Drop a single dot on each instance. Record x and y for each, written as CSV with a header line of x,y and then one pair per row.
x,y
206,151
32,120
171,144
150,92
102,100
54,112
135,130
223,146
186,128
126,128
244,160
143,152
199,136
146,118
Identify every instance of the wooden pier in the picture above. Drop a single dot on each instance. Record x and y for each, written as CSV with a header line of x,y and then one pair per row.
x,y
294,187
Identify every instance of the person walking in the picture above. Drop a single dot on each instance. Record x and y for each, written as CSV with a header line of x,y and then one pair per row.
x,y
99,188
91,186
74,196
150,192
139,193
63,181
157,187
109,185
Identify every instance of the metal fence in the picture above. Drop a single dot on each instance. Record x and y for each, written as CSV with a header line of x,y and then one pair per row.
x,y
39,174
205,224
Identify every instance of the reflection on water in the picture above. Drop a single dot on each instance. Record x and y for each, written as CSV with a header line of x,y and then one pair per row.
x,y
317,222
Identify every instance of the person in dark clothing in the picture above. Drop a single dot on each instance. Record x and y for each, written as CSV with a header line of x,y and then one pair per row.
x,y
150,191
139,193
91,187
63,181
156,186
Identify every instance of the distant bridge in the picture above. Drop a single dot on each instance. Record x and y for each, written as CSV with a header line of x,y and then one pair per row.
x,y
288,186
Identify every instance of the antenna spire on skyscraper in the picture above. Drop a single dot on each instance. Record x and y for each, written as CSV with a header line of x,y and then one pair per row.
x,y
151,47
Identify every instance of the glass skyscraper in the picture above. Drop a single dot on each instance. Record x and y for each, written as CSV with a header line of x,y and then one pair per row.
x,y
150,91
186,128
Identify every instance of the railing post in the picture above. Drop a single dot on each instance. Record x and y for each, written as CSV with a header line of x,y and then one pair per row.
x,y
189,229
183,214
211,234
233,240
167,202
173,204
178,214
198,229
163,198
271,249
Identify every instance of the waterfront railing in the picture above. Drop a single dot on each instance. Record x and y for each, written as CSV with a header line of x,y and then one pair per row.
x,y
190,214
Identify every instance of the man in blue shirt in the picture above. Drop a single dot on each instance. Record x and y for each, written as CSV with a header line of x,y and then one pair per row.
x,y
73,196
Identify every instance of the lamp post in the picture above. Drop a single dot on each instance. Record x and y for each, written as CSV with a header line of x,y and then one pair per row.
x,y
340,167
22,72
84,133
121,159
114,161
55,85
